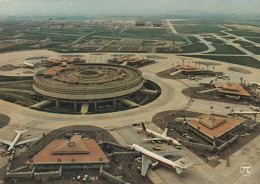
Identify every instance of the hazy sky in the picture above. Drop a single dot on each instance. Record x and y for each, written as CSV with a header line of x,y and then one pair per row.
x,y
124,7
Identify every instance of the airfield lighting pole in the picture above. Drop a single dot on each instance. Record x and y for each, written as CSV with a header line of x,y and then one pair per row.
x,y
102,139
211,109
172,66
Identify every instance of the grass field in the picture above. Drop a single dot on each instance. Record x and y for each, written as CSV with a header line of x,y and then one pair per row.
x,y
245,33
16,47
197,47
255,50
256,40
240,60
213,40
54,37
240,70
243,43
156,34
7,78
198,29
226,49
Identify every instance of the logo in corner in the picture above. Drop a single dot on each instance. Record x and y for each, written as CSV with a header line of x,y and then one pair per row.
x,y
246,169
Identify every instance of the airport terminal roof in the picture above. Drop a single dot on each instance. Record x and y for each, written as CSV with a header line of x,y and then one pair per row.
x,y
214,126
232,89
61,60
76,150
189,68
53,71
130,60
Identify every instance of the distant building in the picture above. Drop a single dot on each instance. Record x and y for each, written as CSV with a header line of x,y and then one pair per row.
x,y
75,153
214,128
157,24
191,70
232,89
61,60
45,43
140,24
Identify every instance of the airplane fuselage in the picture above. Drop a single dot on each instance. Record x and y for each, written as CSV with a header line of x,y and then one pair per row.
x,y
14,141
168,139
155,156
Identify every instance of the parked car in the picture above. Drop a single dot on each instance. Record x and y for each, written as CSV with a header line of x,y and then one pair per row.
x,y
85,177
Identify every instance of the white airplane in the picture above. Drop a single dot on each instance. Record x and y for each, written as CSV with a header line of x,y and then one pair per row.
x,y
256,83
206,83
195,78
29,65
245,112
15,142
254,108
159,137
148,157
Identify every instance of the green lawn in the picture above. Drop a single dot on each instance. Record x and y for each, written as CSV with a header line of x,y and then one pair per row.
x,y
245,33
16,47
243,43
54,37
197,47
255,50
249,46
198,29
193,39
226,49
214,40
160,34
256,40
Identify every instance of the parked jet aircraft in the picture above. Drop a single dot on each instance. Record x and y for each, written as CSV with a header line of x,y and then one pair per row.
x,y
158,136
256,83
15,142
28,65
254,108
148,157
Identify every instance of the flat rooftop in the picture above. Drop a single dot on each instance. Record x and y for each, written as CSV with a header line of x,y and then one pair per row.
x,y
76,150
232,89
219,125
61,60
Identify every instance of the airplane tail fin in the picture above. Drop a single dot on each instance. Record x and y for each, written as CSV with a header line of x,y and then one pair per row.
x,y
17,131
143,126
179,170
183,164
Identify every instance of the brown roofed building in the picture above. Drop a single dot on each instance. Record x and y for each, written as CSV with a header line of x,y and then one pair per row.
x,y
77,152
61,60
52,71
232,89
191,70
212,127
73,146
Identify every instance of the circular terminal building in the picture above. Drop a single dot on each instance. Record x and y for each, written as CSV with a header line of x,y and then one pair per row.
x,y
88,84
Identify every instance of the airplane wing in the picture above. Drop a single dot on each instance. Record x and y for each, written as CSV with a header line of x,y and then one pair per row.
x,y
24,141
168,153
153,139
6,141
165,132
145,164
